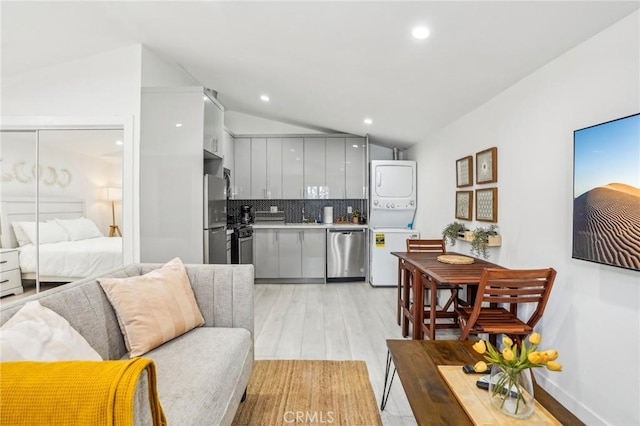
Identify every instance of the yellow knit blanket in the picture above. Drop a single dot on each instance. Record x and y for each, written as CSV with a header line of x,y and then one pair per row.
x,y
74,392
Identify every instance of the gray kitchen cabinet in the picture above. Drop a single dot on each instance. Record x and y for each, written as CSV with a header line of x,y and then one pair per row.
x,y
292,168
314,168
289,253
172,137
274,169
335,168
242,169
258,168
265,255
289,250
314,253
213,141
229,153
355,168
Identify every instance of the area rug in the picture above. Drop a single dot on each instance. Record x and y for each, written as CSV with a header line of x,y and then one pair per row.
x,y
288,392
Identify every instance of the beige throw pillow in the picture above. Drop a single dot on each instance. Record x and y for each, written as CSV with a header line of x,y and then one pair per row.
x,y
153,308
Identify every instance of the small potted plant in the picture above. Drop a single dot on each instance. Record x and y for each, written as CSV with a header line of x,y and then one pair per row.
x,y
452,231
356,216
483,238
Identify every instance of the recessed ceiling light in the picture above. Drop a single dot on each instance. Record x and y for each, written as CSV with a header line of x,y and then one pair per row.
x,y
119,142
368,121
178,124
264,98
420,32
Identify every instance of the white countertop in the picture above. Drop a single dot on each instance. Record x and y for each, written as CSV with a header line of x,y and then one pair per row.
x,y
308,226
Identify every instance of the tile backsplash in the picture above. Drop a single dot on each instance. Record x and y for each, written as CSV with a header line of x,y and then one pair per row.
x,y
293,208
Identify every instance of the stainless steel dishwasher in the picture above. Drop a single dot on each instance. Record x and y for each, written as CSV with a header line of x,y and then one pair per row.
x,y
346,254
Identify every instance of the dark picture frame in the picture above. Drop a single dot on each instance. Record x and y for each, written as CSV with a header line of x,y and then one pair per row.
x,y
464,171
464,205
487,205
487,166
606,193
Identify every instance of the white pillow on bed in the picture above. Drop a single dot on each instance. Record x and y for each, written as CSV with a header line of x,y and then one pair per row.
x,y
50,232
21,237
80,229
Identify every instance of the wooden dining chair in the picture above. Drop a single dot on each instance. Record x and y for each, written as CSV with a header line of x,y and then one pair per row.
x,y
405,291
504,290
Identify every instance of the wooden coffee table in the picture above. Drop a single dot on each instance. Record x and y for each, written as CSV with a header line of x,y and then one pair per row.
x,y
431,400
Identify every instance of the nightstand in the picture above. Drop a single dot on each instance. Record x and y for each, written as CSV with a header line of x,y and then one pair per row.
x,y
10,281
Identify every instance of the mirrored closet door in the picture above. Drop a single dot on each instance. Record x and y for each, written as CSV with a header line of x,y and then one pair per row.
x,y
69,182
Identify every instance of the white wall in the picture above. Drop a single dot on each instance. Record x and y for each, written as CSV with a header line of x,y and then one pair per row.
x,y
593,317
244,124
158,72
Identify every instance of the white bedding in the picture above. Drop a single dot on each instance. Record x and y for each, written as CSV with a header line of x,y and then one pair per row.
x,y
73,259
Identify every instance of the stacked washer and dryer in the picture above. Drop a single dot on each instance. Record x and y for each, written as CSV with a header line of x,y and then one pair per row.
x,y
393,201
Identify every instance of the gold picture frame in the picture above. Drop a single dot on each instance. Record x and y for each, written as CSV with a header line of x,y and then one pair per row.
x,y
464,171
487,205
464,205
487,166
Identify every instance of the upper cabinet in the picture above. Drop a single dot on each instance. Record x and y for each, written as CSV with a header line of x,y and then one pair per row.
x,y
213,142
242,168
315,174
335,168
355,168
290,168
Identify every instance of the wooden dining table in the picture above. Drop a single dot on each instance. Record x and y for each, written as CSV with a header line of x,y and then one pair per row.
x,y
427,265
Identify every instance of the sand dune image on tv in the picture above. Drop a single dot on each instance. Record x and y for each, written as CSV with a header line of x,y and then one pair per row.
x,y
606,225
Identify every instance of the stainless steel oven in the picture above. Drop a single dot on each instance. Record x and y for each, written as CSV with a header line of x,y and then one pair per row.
x,y
242,245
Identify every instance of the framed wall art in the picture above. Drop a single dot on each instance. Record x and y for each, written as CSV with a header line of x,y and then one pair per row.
x,y
464,205
606,193
487,205
464,172
487,166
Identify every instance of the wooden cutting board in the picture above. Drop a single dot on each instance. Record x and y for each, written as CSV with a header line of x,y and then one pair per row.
x,y
476,402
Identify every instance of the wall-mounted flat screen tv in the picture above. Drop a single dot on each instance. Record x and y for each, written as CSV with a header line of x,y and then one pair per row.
x,y
606,193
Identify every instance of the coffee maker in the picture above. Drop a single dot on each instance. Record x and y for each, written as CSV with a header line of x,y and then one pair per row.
x,y
246,214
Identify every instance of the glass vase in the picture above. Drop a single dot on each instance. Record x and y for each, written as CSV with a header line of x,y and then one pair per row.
x,y
511,391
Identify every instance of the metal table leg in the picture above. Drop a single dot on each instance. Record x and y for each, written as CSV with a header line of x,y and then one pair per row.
x,y
387,390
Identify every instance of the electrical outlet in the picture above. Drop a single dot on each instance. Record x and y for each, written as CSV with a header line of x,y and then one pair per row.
x,y
349,209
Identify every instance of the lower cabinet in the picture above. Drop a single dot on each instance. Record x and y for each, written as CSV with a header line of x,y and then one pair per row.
x,y
289,253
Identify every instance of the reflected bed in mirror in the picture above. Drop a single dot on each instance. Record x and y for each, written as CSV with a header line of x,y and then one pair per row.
x,y
71,245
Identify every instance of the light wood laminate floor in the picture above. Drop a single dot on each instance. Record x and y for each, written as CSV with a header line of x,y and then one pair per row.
x,y
349,321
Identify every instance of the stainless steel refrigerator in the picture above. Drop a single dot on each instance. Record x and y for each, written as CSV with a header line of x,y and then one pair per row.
x,y
215,220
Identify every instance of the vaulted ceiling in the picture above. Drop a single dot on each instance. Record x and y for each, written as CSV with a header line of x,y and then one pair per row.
x,y
324,65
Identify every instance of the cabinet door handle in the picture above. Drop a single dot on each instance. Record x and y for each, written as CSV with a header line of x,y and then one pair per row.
x,y
4,261
4,281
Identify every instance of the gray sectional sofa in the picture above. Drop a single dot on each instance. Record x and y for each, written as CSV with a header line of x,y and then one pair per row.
x,y
202,374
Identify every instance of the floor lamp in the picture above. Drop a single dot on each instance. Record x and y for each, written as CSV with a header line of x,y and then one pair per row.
x,y
113,195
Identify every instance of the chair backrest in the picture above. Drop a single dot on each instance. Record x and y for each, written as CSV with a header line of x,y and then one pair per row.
x,y
433,246
515,287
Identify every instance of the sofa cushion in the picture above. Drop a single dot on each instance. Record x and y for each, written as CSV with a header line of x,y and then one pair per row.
x,y
36,333
220,357
153,308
